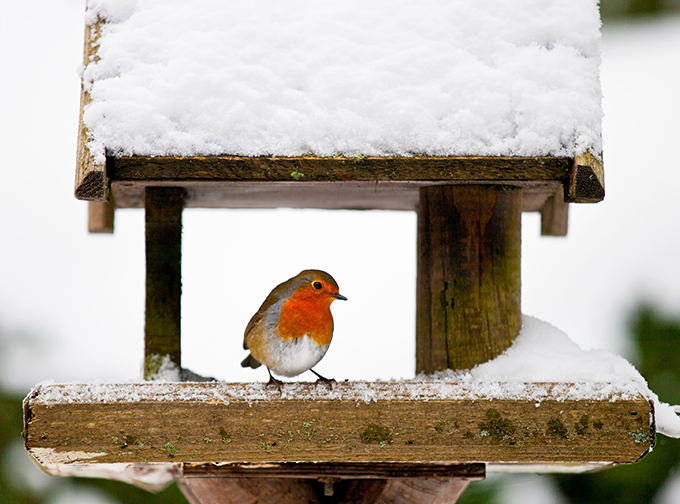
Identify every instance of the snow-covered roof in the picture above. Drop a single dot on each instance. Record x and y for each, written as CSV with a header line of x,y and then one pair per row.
x,y
350,77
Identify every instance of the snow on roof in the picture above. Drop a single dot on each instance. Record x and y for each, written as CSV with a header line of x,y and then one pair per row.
x,y
542,364
350,77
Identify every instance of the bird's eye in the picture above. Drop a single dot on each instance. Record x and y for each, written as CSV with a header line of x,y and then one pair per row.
x,y
317,285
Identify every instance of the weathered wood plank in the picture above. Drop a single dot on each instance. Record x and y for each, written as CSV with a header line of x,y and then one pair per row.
x,y
91,181
434,423
323,169
162,322
469,283
555,215
355,195
337,470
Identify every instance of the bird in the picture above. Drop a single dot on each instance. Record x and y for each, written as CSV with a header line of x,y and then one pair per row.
x,y
292,330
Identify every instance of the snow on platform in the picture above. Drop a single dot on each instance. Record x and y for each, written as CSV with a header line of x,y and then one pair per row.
x,y
542,364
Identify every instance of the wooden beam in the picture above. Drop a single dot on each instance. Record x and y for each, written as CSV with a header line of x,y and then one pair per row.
x,y
468,286
101,216
435,423
586,180
301,491
355,195
162,328
337,470
91,180
340,168
555,215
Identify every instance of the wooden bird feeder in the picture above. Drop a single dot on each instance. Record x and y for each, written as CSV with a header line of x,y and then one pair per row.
x,y
226,442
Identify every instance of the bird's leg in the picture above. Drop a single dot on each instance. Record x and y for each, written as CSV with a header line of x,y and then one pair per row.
x,y
323,379
273,381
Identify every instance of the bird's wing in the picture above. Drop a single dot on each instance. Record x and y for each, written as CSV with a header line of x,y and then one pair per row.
x,y
258,318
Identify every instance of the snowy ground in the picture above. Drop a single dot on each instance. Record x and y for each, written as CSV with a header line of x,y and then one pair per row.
x,y
71,304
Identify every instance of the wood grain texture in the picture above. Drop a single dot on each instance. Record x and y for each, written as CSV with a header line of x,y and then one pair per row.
x,y
356,195
469,283
91,182
101,216
232,426
323,169
336,470
162,320
555,215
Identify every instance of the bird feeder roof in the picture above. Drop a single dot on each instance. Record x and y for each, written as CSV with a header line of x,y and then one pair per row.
x,y
350,78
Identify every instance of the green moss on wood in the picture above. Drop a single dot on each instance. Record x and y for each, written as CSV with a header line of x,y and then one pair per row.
x,y
640,435
376,434
170,449
556,428
498,428
581,426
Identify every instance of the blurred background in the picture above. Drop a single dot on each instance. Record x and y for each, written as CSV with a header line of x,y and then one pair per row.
x,y
72,304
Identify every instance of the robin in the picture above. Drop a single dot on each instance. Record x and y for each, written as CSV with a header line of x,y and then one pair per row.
x,y
292,330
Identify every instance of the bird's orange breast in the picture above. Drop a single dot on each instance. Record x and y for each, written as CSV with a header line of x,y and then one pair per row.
x,y
307,314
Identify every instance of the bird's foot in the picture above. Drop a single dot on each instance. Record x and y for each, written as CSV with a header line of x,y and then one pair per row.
x,y
323,380
273,382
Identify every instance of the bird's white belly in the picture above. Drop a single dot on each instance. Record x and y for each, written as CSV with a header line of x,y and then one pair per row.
x,y
295,357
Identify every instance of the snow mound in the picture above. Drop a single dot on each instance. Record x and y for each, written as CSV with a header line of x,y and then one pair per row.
x,y
543,353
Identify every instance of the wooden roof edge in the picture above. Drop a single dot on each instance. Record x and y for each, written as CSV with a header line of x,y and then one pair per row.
x,y
582,176
91,182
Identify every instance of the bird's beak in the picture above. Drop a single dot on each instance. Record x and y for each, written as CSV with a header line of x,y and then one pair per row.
x,y
339,296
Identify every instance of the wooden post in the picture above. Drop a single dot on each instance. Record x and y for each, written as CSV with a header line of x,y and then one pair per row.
x,y
163,207
101,216
555,215
468,288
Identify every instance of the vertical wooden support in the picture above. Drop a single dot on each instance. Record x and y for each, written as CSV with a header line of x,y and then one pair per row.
x,y
468,288
100,216
163,207
555,215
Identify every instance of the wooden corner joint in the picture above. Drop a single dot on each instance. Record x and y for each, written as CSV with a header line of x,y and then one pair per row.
x,y
92,185
585,183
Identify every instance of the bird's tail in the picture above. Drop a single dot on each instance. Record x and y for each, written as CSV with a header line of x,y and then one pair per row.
x,y
250,361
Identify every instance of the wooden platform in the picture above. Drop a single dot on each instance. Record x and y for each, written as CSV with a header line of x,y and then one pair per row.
x,y
412,426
